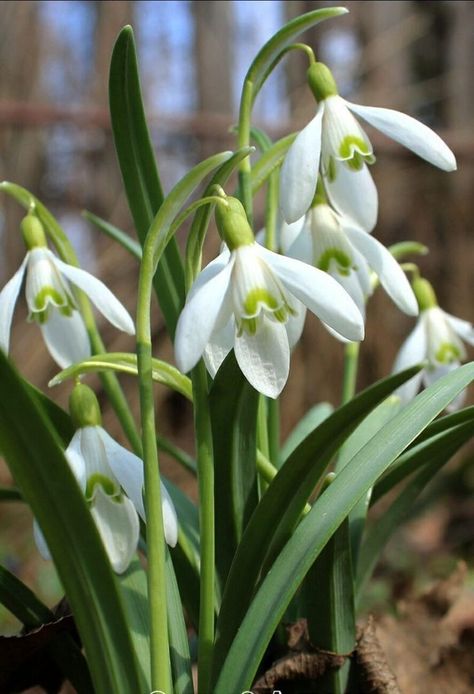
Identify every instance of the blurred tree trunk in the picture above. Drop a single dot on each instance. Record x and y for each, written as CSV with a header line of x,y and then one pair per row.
x,y
214,59
20,148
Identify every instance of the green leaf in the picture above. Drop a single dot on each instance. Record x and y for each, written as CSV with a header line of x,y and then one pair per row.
x,y
139,171
281,506
116,234
177,453
124,362
179,646
43,476
134,591
270,161
305,426
26,607
258,70
234,405
10,494
431,457
316,528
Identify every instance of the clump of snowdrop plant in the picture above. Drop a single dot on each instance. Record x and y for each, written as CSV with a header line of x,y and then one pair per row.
x,y
273,528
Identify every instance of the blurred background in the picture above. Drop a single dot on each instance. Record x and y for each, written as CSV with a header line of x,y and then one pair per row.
x,y
55,140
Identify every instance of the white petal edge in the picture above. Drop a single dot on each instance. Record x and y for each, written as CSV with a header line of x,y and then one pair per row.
x,y
199,316
410,133
295,324
299,172
264,358
412,352
432,375
103,299
354,195
127,468
8,297
219,346
319,292
66,338
463,328
76,460
40,542
391,276
118,526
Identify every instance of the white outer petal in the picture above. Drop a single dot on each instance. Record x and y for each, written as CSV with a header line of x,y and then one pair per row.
x,y
40,542
264,358
76,460
295,324
354,195
413,351
392,278
199,316
219,346
432,375
288,233
320,293
410,133
299,173
461,327
8,297
118,526
100,295
127,469
66,337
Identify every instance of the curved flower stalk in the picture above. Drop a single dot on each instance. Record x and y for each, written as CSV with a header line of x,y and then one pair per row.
x,y
111,478
437,339
245,299
333,243
51,302
334,144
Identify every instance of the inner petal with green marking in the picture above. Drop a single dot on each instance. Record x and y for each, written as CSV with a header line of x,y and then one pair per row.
x,y
447,353
332,251
110,487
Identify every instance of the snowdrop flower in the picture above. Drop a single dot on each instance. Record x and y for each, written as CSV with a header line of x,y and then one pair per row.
x,y
103,469
250,294
51,302
333,243
437,339
334,143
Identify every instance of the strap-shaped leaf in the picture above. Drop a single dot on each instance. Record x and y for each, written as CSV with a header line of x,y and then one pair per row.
x,y
234,406
282,504
179,645
326,515
33,453
308,423
139,170
269,161
113,232
124,362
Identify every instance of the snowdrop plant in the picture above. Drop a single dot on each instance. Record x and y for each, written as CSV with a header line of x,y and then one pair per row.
x,y
278,528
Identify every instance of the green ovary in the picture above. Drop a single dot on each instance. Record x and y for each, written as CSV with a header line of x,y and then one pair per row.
x,y
336,255
105,482
447,352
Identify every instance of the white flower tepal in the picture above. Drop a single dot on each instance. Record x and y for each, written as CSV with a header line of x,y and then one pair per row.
x,y
335,145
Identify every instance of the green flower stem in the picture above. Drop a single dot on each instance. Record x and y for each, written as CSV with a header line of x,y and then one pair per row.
x,y
156,574
205,466
245,168
351,361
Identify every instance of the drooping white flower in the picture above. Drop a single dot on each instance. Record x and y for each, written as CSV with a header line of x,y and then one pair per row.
x,y
437,339
334,144
51,302
333,243
244,299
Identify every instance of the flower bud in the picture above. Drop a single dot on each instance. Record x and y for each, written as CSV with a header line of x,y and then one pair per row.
x,y
321,81
424,293
33,232
84,407
233,224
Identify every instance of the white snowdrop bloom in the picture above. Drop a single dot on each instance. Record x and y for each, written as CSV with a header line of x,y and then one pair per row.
x,y
51,303
244,299
333,243
334,144
437,339
111,478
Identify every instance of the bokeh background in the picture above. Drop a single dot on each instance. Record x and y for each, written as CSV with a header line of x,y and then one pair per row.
x,y
55,140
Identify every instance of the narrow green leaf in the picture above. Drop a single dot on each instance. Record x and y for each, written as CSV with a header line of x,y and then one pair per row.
x,y
177,453
233,404
432,459
326,515
257,72
305,426
179,646
134,591
270,161
281,506
124,362
28,442
139,171
58,418
114,233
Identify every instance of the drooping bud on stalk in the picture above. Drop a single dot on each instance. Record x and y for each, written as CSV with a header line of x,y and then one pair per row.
x,y
321,81
424,292
232,222
33,232
84,407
